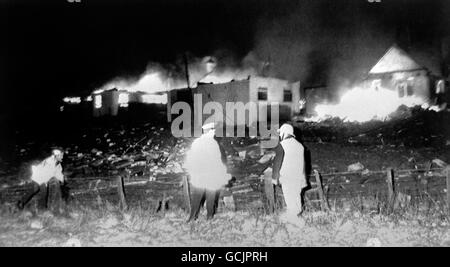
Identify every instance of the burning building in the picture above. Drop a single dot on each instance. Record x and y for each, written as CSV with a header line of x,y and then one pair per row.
x,y
110,102
398,71
395,80
314,95
115,102
259,90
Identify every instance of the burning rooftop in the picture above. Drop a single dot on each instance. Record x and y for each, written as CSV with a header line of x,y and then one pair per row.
x,y
395,80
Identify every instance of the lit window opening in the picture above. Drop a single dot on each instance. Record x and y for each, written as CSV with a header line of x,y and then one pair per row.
x,y
123,100
98,101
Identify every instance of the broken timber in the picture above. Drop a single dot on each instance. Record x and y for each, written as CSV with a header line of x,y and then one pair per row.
x,y
186,193
391,189
121,193
323,199
447,172
269,192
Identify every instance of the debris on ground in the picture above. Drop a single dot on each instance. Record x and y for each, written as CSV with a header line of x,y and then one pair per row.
x,y
413,127
36,224
146,153
73,242
373,242
439,163
355,167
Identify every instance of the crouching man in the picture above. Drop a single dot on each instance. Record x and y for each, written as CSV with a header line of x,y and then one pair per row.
x,y
41,174
289,171
208,174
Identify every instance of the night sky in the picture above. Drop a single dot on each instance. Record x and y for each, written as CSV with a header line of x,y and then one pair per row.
x,y
59,48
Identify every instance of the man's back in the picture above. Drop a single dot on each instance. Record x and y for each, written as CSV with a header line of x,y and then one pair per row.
x,y
204,164
293,166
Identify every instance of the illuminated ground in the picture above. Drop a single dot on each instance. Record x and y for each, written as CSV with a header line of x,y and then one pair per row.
x,y
138,227
104,225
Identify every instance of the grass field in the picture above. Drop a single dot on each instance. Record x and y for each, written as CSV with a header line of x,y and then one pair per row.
x,y
106,225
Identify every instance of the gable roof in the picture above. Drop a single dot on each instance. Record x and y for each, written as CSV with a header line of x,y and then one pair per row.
x,y
395,59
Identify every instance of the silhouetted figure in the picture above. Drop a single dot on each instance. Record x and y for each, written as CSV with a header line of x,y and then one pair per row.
x,y
41,174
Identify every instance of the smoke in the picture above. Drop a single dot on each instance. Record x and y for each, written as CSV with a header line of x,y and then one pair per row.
x,y
337,42
219,67
320,42
317,42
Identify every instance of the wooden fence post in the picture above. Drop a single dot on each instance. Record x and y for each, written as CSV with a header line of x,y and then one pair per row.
x,y
186,192
269,192
121,192
323,199
391,189
448,188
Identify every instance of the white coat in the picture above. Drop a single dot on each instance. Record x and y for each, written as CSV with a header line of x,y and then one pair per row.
x,y
293,167
204,164
46,170
292,176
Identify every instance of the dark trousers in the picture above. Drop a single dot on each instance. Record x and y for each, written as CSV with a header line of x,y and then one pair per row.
x,y
198,197
43,189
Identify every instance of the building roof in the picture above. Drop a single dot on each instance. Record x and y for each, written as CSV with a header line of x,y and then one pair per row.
x,y
395,60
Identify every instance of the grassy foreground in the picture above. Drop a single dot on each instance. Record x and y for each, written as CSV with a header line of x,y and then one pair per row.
x,y
105,225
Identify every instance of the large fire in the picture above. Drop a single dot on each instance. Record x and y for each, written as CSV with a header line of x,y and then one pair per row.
x,y
364,104
150,82
227,75
157,80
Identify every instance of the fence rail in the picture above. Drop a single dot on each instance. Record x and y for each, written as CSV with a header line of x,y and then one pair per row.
x,y
390,182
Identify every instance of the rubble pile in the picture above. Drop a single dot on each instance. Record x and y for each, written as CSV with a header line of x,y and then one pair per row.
x,y
152,151
140,151
150,154
412,127
149,158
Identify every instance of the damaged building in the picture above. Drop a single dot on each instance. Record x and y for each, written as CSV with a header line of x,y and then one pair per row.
x,y
115,103
405,73
111,102
260,90
313,96
399,71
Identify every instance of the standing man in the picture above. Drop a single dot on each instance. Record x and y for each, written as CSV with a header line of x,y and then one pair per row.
x,y
207,172
41,174
289,171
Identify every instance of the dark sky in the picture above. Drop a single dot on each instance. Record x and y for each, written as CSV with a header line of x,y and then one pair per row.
x,y
59,48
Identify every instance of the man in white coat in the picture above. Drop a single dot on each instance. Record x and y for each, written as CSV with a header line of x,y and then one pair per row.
x,y
289,171
208,174
41,174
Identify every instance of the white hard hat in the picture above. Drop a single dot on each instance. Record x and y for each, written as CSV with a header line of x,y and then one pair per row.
x,y
286,129
208,126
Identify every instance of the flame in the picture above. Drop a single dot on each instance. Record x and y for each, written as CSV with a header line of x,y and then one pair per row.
x,y
155,99
72,100
155,80
124,98
98,101
365,104
227,76
150,82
